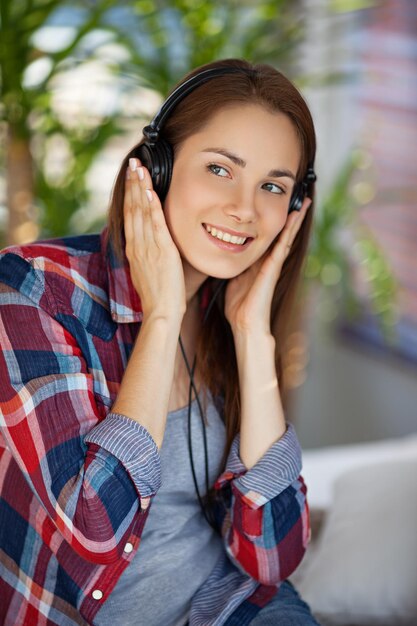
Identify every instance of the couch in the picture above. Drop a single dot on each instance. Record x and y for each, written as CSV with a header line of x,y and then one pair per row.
x,y
360,568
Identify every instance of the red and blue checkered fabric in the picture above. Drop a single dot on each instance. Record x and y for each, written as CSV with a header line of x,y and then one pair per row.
x,y
76,480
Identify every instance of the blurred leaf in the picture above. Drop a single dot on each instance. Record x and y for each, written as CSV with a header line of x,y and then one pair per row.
x,y
344,6
57,202
338,213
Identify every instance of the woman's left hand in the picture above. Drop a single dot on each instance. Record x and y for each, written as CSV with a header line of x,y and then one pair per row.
x,y
248,296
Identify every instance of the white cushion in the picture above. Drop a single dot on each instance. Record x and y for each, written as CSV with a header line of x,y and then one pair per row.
x,y
362,570
322,466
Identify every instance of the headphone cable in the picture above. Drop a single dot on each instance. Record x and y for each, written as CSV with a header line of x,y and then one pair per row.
x,y
192,387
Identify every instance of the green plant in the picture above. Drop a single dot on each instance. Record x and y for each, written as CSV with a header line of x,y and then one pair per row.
x,y
331,261
28,117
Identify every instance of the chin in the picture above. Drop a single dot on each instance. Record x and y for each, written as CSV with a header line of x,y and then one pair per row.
x,y
222,273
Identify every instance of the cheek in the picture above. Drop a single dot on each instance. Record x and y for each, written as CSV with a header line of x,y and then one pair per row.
x,y
276,224
175,204
273,230
179,212
171,216
178,200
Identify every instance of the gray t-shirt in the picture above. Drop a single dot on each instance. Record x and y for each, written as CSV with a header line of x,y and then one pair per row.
x,y
178,549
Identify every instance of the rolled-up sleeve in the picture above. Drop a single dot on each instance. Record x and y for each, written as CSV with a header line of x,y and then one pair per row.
x,y
265,523
273,473
133,445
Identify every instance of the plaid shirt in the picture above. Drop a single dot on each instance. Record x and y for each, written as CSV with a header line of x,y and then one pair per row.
x,y
77,480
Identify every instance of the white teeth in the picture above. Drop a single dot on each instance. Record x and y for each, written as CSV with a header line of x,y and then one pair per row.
x,y
225,236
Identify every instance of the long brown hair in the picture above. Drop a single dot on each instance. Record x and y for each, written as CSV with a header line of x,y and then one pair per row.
x,y
264,85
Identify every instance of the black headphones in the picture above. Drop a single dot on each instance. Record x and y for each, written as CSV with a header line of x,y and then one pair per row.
x,y
157,155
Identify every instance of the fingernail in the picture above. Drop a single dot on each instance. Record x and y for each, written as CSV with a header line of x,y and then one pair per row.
x,y
132,164
149,194
141,173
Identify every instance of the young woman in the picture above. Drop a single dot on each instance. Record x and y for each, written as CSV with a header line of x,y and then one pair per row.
x,y
148,475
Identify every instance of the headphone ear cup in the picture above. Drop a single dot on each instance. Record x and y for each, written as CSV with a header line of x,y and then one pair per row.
x,y
158,158
297,197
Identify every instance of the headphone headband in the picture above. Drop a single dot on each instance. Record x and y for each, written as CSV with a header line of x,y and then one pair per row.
x,y
152,131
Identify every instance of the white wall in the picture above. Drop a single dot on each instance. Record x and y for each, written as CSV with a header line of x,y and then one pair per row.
x,y
351,394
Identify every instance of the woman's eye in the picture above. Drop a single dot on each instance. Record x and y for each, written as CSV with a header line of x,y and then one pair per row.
x,y
217,170
274,188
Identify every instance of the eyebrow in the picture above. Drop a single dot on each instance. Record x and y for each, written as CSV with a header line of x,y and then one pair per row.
x,y
279,173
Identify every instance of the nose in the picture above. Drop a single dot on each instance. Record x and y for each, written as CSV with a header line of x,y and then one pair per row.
x,y
241,205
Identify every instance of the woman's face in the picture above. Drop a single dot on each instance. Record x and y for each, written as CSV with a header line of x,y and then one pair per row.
x,y
233,179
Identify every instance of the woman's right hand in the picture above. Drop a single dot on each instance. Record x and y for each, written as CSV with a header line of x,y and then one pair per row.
x,y
155,263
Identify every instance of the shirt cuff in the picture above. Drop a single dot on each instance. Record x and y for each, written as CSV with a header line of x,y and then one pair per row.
x,y
273,473
135,448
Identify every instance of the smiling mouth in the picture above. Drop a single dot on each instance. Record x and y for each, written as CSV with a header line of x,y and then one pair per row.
x,y
227,237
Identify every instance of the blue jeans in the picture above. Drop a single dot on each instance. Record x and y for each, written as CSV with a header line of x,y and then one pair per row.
x,y
285,609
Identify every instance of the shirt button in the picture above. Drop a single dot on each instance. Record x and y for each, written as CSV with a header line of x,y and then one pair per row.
x,y
128,547
97,594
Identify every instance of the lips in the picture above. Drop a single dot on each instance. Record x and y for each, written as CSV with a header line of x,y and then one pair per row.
x,y
227,240
227,231
225,236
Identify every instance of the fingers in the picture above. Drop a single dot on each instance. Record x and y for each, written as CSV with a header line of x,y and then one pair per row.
x,y
143,213
154,261
140,199
291,228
